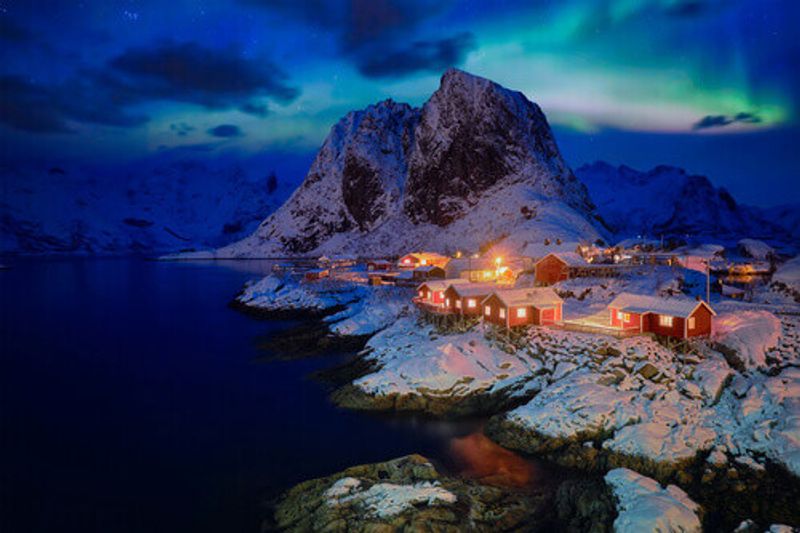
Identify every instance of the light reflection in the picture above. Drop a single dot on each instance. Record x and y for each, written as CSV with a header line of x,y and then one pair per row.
x,y
483,460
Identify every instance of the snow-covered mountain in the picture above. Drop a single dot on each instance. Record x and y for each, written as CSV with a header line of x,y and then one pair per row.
x,y
669,201
152,206
476,166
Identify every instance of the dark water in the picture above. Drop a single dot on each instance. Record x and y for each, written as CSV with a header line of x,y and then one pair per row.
x,y
130,401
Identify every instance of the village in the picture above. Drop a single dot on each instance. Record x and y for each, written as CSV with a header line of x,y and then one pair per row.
x,y
514,291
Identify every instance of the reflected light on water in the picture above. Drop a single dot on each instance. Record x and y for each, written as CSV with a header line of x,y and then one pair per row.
x,y
482,459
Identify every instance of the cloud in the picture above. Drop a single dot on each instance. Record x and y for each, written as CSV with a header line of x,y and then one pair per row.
x,y
38,108
192,73
718,121
110,95
181,129
419,56
226,131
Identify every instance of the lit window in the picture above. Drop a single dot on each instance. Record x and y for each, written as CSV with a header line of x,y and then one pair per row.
x,y
423,262
447,302
458,304
619,315
440,294
626,317
691,322
471,303
487,310
422,294
521,312
502,313
664,320
406,261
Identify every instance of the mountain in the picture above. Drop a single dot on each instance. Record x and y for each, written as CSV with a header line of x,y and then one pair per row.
x,y
152,206
667,201
477,166
785,216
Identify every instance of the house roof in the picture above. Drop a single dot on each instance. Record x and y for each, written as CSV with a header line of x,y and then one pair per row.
x,y
642,303
408,274
442,284
541,296
428,256
379,262
569,258
427,268
474,289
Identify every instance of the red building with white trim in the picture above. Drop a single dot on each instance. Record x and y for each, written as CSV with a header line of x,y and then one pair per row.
x,y
521,307
671,317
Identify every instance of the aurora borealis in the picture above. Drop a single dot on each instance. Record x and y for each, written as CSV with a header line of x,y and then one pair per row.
x,y
676,81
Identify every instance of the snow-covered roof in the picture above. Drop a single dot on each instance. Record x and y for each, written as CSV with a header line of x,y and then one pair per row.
x,y
379,262
427,256
643,303
408,274
442,284
474,289
570,258
531,296
427,268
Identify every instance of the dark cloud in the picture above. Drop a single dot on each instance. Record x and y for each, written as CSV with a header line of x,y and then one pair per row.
x,y
718,121
420,56
38,108
694,8
192,73
181,129
168,72
226,131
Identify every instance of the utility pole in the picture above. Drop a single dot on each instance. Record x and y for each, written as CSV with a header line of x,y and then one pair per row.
x,y
708,281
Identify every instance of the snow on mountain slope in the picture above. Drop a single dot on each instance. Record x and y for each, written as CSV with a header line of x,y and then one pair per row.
x,y
670,202
476,165
156,205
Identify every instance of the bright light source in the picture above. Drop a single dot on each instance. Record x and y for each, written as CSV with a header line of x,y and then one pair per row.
x,y
498,261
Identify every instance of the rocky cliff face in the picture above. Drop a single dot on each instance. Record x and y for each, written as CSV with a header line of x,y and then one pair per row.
x,y
476,156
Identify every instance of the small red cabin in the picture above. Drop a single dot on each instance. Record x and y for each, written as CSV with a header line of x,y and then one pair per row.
x,y
428,272
466,298
555,267
433,292
316,274
521,307
673,317
418,259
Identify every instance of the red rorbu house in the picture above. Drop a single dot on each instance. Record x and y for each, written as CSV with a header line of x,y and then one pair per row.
x,y
428,272
522,307
465,299
557,266
378,264
417,259
432,293
674,317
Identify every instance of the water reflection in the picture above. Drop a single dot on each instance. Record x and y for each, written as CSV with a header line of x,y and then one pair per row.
x,y
480,458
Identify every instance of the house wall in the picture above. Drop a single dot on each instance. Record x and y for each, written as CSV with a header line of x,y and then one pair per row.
x,y
703,318
494,317
634,322
424,293
546,316
651,324
474,311
550,270
529,317
413,262
452,296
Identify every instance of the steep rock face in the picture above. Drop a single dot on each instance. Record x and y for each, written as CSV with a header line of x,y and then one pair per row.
x,y
472,134
354,182
669,201
467,169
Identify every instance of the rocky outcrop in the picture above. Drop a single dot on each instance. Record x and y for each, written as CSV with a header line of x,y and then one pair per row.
x,y
404,494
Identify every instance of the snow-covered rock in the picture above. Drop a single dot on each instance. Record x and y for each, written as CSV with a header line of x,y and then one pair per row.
x,y
385,500
644,505
475,165
750,334
667,201
789,274
755,249
284,294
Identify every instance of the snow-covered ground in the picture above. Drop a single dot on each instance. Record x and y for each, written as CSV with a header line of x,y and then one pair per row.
x,y
643,505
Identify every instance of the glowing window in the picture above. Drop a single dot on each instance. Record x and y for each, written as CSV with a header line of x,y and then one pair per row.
x,y
487,310
406,261
619,315
422,294
447,302
502,313
626,317
522,312
664,320
423,262
471,303
691,322
440,294
458,304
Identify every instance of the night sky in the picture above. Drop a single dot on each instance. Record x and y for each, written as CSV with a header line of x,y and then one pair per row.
x,y
711,85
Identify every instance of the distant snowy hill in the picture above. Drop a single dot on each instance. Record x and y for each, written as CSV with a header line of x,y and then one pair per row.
x,y
154,206
669,201
785,216
476,166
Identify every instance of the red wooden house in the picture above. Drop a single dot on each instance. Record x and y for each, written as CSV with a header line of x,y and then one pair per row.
x,y
557,266
417,259
522,307
428,272
378,264
432,292
673,317
465,299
